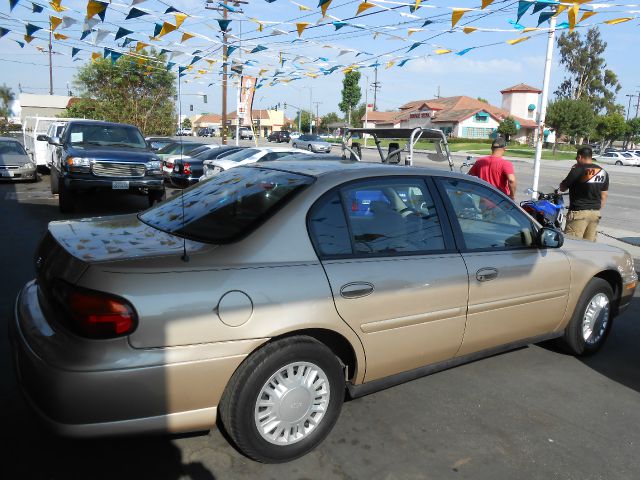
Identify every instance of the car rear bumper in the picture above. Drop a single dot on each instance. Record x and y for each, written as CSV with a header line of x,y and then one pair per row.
x,y
84,388
175,179
74,183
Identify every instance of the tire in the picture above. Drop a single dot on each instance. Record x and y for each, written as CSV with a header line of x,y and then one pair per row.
x,y
250,383
66,198
53,182
155,196
294,146
618,163
309,148
599,298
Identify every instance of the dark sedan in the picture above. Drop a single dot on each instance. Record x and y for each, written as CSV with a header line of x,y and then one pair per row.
x,y
187,171
279,136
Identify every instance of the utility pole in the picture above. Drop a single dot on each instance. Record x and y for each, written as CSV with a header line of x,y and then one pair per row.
x,y
637,105
543,106
376,86
50,66
631,96
317,116
366,108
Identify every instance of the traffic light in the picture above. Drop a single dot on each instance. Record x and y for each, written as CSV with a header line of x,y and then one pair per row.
x,y
285,105
191,108
204,97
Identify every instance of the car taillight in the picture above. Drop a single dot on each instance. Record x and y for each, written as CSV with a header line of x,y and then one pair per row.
x,y
95,314
186,168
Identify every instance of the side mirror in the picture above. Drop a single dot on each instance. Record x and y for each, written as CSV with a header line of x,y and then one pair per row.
x,y
42,138
550,238
55,141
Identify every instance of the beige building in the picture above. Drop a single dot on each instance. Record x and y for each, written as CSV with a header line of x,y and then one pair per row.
x,y
208,120
264,121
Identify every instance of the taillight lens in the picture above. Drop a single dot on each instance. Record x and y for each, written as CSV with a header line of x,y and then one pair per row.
x,y
95,314
186,168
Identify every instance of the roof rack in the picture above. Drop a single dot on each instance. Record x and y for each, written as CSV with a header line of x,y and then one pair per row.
x,y
411,135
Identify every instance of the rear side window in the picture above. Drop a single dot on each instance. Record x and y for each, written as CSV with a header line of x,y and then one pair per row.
x,y
328,227
228,206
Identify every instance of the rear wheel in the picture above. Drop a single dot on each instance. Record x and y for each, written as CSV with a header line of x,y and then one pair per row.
x,y
53,181
66,198
283,400
155,196
309,147
619,163
589,327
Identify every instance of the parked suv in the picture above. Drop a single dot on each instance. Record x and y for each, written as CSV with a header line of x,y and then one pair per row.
x,y
206,132
94,155
244,133
280,136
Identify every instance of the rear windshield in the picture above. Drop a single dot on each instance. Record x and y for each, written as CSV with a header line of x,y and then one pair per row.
x,y
80,134
242,154
227,206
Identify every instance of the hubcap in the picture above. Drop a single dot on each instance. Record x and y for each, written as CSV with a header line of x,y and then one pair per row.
x,y
292,403
596,318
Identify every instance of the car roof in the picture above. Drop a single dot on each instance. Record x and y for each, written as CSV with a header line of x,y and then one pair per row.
x,y
100,122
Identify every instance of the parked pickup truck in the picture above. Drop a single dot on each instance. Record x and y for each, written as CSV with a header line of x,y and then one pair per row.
x,y
36,131
94,155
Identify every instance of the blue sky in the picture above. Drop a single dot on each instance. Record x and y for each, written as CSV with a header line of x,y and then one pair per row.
x,y
481,72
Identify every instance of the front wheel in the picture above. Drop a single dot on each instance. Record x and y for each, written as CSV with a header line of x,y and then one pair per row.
x,y
309,148
591,322
66,198
283,400
619,163
294,145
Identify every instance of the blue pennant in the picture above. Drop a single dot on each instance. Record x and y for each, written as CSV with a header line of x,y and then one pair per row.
x,y
135,13
115,56
224,24
464,51
544,16
339,25
157,29
230,50
171,9
427,22
195,59
122,32
170,65
127,41
259,48
415,45
74,51
37,8
31,29
523,6
13,3
3,31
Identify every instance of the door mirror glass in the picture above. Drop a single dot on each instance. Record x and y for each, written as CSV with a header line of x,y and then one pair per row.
x,y
42,138
550,238
55,141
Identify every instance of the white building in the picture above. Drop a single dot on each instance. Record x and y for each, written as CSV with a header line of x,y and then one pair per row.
x,y
42,105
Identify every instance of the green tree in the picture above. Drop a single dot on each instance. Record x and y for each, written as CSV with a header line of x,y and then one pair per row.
x,y
306,121
357,115
633,132
588,77
483,100
186,123
573,118
351,93
328,119
610,128
507,128
128,91
6,97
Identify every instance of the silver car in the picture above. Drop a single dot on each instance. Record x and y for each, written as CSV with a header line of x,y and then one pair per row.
x,y
15,163
312,143
263,294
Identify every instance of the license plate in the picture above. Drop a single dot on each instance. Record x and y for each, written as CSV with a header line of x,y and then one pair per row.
x,y
4,173
120,185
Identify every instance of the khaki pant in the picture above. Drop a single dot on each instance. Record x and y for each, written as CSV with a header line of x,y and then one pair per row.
x,y
583,224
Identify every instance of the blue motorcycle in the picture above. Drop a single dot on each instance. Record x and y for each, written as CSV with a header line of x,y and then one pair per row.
x,y
548,209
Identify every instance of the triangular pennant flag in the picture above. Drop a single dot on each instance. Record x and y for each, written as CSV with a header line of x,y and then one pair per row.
x,y
115,56
572,14
442,51
135,13
618,20
464,51
141,45
171,9
364,6
89,23
85,34
94,7
515,41
180,18
12,4
258,48
3,31
224,24
156,29
28,38
107,52
339,25
457,14
20,43
561,8
523,6
469,30
55,22
101,34
170,65
35,8
562,25
529,29
127,41
403,62
68,21
136,2
195,59
74,51
427,22
300,26
186,36
415,45
57,5
166,28
539,6
122,32
230,50
411,31
324,5
544,16
31,29
388,65
95,56
586,15
516,25
486,3
60,36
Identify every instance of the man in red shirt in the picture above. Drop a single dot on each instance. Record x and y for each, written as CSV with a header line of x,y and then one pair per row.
x,y
496,170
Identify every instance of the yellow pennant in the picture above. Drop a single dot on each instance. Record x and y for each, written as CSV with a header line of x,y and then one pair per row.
x,y
260,24
517,40
28,38
180,18
301,26
364,6
457,14
442,51
586,15
55,21
202,71
56,5
94,7
189,68
262,71
140,46
411,31
60,36
186,36
301,7
561,8
469,30
312,75
324,8
529,29
389,64
573,16
211,62
166,28
618,20
417,5
95,56
486,3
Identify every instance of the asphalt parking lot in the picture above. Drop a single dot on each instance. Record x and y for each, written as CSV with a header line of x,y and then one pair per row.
x,y
530,413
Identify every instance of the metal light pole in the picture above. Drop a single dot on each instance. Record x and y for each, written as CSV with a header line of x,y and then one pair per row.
x,y
543,106
366,108
50,65
310,110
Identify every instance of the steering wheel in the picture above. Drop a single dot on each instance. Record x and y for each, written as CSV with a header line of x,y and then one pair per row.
x,y
405,212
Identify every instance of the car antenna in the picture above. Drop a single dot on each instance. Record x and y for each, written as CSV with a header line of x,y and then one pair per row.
x,y
184,257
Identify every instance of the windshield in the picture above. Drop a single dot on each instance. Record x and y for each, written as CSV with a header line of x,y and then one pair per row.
x,y
174,148
105,135
242,154
227,206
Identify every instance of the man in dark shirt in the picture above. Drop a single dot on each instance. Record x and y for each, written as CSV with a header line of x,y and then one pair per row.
x,y
588,185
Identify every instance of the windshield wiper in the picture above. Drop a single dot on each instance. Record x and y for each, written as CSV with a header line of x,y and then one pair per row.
x,y
124,145
88,143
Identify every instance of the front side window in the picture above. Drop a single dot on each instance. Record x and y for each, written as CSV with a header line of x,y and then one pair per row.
x,y
487,220
97,134
227,206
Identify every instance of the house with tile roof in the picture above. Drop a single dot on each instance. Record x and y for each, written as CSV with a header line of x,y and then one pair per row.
x,y
466,117
264,121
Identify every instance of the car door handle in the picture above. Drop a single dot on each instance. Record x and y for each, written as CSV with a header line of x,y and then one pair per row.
x,y
356,290
486,274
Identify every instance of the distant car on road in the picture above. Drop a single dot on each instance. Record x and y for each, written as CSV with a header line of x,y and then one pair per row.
x,y
279,137
184,132
158,143
94,155
206,132
618,158
188,170
244,157
243,133
15,163
312,143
